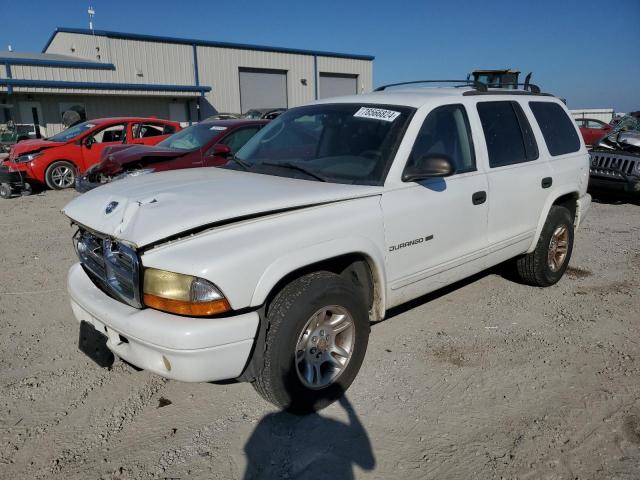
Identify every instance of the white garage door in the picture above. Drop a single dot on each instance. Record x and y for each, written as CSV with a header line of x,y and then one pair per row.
x,y
262,89
335,85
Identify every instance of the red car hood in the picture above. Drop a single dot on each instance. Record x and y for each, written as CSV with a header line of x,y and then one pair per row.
x,y
28,146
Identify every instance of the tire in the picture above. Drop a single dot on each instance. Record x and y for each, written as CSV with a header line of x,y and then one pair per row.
x,y
537,268
60,175
5,190
289,342
27,190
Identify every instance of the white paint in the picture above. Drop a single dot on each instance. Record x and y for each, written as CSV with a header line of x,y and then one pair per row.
x,y
247,258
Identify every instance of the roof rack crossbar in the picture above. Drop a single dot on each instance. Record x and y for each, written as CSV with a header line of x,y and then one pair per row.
x,y
465,83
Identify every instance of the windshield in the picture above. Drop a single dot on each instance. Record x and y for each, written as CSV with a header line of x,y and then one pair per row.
x,y
628,122
72,132
192,137
341,143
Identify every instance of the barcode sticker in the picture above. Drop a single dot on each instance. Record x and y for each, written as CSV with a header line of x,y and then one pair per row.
x,y
377,114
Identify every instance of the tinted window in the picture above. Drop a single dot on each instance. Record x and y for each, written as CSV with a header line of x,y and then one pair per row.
x,y
112,134
237,139
507,133
557,129
445,132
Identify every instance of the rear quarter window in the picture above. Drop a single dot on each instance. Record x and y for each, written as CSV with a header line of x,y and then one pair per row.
x,y
557,128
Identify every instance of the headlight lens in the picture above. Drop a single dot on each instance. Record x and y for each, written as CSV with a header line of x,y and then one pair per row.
x,y
28,157
182,294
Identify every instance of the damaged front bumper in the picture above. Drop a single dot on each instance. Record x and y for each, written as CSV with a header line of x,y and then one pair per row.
x,y
617,171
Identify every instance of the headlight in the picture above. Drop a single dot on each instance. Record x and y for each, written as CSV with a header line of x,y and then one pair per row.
x,y
28,157
182,294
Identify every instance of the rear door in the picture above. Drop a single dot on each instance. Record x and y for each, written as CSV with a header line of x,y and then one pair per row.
x,y
94,144
519,178
150,133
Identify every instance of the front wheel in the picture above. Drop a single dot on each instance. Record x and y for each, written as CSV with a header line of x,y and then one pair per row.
x,y
547,263
316,340
59,175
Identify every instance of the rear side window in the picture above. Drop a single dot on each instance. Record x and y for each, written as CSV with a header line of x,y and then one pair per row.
x,y
557,129
507,133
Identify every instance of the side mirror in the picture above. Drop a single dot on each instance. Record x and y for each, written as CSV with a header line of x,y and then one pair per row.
x,y
220,150
89,141
427,167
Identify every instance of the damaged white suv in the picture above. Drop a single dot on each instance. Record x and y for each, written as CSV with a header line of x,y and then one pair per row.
x,y
271,268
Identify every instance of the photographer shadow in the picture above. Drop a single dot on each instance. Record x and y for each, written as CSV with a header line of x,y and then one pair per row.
x,y
288,446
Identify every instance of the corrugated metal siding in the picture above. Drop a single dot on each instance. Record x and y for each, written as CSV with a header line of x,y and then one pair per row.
x,y
162,63
95,106
362,68
219,69
602,114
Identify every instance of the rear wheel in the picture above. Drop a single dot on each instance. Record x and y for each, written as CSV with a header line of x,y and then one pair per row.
x,y
547,263
61,174
317,335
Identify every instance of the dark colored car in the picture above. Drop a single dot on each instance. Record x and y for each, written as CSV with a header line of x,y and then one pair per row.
x,y
207,144
264,113
592,130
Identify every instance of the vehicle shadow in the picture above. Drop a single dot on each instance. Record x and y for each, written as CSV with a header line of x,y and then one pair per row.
x,y
312,446
505,270
614,198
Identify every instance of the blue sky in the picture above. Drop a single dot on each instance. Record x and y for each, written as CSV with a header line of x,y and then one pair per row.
x,y
585,51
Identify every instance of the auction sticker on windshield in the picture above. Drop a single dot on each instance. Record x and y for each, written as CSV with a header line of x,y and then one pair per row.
x,y
377,114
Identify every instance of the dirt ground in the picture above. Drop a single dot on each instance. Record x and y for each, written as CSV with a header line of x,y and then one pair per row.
x,y
487,379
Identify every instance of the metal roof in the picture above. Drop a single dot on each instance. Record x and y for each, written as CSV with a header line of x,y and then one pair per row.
x,y
205,43
51,60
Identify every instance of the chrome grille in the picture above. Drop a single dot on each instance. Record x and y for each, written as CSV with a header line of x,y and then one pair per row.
x,y
613,165
113,267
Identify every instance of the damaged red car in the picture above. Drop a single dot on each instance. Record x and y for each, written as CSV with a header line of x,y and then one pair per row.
x,y
207,144
57,160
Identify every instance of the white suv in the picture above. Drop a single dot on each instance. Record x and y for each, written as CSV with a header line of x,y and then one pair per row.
x,y
271,268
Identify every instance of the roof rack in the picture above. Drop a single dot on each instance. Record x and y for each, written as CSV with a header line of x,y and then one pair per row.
x,y
481,87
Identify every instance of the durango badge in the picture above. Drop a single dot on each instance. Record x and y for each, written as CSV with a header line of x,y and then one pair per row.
x,y
111,206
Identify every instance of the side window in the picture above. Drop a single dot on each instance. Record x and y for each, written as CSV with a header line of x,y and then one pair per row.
x,y
557,129
146,130
237,139
507,133
595,124
114,133
446,132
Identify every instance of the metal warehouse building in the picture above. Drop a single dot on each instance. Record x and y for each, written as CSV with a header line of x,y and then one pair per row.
x,y
102,74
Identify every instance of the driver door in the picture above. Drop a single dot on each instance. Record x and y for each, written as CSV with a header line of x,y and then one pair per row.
x,y
94,144
436,229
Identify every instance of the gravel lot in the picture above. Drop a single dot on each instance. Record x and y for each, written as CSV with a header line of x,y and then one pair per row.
x,y
487,379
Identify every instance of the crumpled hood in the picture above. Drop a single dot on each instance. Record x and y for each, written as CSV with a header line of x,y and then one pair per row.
x,y
35,145
128,153
151,208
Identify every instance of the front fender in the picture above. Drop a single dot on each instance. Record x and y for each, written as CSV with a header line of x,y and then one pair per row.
x,y
303,257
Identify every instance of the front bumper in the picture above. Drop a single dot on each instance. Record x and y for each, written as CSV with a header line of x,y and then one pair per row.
x,y
628,183
15,178
176,347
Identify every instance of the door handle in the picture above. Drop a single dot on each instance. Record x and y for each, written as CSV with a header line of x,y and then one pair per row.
x,y
546,182
479,197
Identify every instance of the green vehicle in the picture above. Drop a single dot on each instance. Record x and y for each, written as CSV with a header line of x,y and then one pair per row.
x,y
14,133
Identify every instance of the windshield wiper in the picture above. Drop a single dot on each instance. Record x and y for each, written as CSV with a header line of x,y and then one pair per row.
x,y
242,163
294,166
